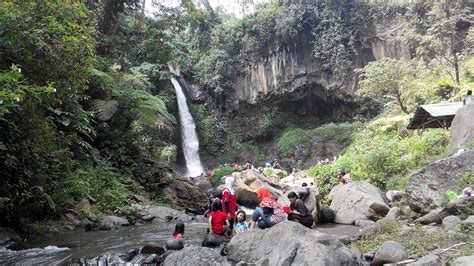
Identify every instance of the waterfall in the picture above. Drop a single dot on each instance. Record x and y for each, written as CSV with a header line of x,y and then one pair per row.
x,y
189,137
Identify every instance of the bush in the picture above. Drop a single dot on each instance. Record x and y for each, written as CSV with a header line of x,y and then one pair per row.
x,y
383,153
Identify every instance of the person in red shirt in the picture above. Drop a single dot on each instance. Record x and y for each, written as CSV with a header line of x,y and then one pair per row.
x,y
229,201
217,219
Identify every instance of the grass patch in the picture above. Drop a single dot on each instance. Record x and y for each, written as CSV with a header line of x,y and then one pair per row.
x,y
290,138
414,240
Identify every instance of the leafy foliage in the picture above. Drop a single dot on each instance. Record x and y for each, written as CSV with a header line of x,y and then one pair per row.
x,y
384,153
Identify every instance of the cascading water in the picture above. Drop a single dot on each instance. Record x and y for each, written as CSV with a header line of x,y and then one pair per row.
x,y
188,134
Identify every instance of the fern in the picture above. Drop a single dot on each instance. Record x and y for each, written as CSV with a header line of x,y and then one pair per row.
x,y
151,109
104,109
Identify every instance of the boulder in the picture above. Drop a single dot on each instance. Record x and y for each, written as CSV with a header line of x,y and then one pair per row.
x,y
213,240
394,195
426,189
325,215
462,128
333,191
195,256
112,222
83,207
463,261
152,249
168,214
358,200
393,213
428,260
364,223
164,183
7,235
451,222
468,221
177,244
390,252
288,243
436,216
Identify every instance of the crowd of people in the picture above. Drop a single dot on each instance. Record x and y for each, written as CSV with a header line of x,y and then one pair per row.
x,y
275,164
225,218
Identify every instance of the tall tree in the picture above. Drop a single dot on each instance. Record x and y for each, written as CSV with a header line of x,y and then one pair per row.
x,y
444,38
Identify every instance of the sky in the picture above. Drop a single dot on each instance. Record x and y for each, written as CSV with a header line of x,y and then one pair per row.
x,y
231,6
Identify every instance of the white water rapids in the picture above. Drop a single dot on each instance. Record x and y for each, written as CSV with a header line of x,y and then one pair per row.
x,y
189,137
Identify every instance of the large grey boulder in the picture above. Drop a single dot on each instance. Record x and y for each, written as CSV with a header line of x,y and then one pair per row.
x,y
358,200
394,213
289,243
112,222
451,222
195,256
462,127
390,252
168,214
426,189
463,261
428,260
437,215
468,221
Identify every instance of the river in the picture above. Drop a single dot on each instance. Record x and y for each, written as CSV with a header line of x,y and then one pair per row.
x,y
64,248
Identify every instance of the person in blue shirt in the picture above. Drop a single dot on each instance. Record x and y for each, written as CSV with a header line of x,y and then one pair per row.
x,y
241,224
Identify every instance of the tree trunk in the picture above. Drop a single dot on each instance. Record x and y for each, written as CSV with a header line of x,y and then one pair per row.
x,y
452,31
400,103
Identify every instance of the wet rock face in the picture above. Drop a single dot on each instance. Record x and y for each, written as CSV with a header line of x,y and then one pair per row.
x,y
166,184
426,189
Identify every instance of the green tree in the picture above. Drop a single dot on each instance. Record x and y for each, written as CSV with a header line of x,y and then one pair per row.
x,y
390,79
445,34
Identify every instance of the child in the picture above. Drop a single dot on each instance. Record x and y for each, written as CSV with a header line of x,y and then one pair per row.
x,y
217,219
178,231
241,225
176,242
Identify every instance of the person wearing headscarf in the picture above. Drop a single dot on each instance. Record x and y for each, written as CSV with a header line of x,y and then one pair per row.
x,y
229,200
269,211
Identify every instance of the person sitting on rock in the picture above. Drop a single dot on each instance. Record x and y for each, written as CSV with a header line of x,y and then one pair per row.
x,y
276,164
229,200
269,213
468,98
241,225
299,212
303,191
218,222
248,165
345,177
176,242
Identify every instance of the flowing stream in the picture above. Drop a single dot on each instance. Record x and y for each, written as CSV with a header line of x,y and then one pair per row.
x,y
188,134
